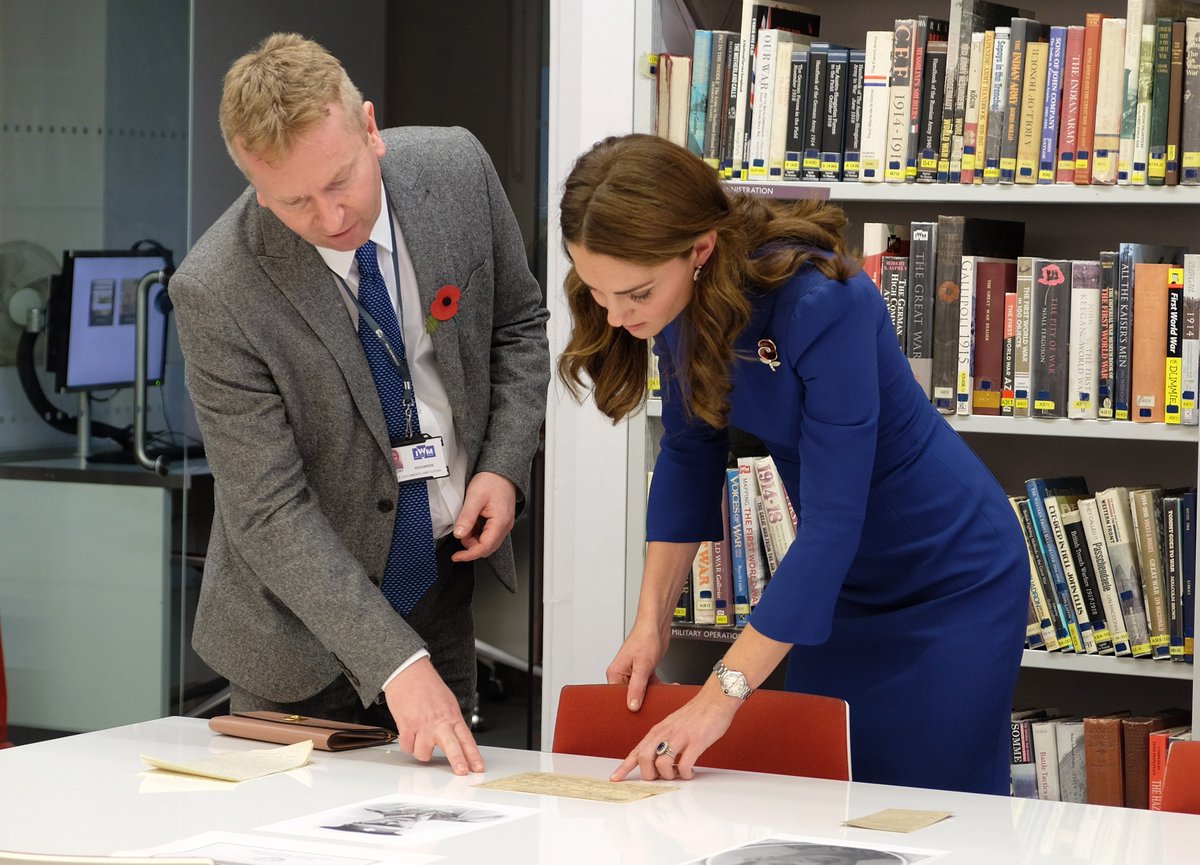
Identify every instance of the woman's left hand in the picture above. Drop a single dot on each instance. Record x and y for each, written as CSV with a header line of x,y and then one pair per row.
x,y
672,747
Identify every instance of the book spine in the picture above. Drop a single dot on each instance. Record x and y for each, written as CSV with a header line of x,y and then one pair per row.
x,y
737,550
1084,344
1089,584
965,382
1190,379
833,123
1054,515
1022,342
895,295
777,525
1189,159
921,256
962,144
876,105
756,564
1030,117
852,147
719,46
1173,368
975,147
947,303
1105,385
1048,149
1175,105
900,89
1141,129
994,281
1007,385
1093,533
1050,311
1134,10
1021,32
1116,523
1089,78
1156,163
1173,573
797,112
1106,141
1068,124
762,97
1145,526
932,100
997,104
818,89
1055,633
702,585
698,113
1035,490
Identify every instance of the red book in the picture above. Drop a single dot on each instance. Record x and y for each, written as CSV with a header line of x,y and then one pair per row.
x,y
1089,75
994,277
1068,126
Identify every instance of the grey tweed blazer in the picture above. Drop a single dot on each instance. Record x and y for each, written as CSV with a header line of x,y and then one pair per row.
x,y
294,432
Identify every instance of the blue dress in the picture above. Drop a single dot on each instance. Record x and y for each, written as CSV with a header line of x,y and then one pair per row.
x,y
905,591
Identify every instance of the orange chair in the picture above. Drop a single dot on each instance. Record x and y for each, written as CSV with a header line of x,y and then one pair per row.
x,y
1181,778
775,731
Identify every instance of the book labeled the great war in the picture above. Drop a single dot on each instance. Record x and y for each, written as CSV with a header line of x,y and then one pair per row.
x,y
922,257
1116,521
958,236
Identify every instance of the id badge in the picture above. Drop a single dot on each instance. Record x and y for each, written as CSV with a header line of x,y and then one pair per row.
x,y
419,459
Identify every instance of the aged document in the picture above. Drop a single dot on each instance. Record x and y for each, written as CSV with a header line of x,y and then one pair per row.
x,y
240,765
577,787
899,820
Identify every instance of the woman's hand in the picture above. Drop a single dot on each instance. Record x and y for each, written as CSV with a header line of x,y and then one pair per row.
x,y
636,659
672,747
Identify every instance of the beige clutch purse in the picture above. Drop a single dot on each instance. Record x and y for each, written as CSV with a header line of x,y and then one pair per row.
x,y
284,729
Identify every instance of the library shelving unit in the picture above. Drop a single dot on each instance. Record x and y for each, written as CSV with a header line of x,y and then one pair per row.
x,y
1062,222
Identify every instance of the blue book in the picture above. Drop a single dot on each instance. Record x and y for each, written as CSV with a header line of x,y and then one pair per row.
x,y
737,550
698,101
1048,151
1036,489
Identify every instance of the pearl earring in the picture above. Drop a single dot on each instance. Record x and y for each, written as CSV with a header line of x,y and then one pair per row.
x,y
696,273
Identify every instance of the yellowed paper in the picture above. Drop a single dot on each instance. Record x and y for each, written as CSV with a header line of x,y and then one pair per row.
x,y
577,787
899,820
240,765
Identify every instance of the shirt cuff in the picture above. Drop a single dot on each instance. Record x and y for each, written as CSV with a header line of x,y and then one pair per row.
x,y
416,656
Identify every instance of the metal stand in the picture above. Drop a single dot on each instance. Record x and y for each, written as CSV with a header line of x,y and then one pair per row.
x,y
83,427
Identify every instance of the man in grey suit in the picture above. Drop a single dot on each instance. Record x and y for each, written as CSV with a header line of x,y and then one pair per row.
x,y
298,437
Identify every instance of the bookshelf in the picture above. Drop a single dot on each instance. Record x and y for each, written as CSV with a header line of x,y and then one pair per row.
x,y
1061,221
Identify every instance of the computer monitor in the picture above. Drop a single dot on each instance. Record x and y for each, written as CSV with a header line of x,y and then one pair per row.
x,y
91,317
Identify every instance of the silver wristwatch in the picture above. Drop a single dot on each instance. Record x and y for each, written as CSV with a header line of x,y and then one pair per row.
x,y
733,683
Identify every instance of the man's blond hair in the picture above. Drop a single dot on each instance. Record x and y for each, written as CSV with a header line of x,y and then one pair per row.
x,y
279,91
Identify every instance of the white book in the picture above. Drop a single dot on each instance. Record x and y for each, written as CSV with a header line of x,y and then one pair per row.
x,y
1045,758
1116,520
997,104
1141,122
1072,770
1114,618
1135,17
681,99
1106,139
899,100
778,530
1083,363
1189,414
1055,506
703,608
876,71
765,60
965,145
777,148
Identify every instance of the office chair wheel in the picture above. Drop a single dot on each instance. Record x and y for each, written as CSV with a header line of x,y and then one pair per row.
x,y
475,722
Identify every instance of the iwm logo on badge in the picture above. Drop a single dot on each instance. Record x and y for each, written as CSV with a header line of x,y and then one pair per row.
x,y
419,459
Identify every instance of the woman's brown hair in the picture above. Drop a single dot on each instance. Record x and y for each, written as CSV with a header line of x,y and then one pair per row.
x,y
644,200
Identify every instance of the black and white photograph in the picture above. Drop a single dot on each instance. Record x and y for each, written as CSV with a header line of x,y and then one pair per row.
x,y
795,850
399,820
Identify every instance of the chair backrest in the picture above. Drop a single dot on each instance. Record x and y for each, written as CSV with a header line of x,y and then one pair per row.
x,y
1181,778
774,731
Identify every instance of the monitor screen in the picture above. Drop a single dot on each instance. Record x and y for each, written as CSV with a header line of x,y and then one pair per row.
x,y
92,313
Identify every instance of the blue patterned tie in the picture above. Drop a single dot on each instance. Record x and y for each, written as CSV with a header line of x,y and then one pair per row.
x,y
412,559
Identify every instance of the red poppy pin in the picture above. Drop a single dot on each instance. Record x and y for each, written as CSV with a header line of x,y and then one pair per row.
x,y
443,308
768,353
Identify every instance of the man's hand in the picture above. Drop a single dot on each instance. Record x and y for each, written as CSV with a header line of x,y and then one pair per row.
x,y
489,508
427,715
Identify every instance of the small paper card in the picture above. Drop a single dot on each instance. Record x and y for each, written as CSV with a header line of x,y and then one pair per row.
x,y
899,820
577,787
240,765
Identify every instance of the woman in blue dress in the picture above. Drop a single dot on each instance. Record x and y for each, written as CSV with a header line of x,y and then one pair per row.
x,y
905,590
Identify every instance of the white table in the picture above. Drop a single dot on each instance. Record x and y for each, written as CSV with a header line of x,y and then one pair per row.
x,y
85,794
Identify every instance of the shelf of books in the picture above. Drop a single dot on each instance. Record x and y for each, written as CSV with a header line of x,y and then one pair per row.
x,y
1024,186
